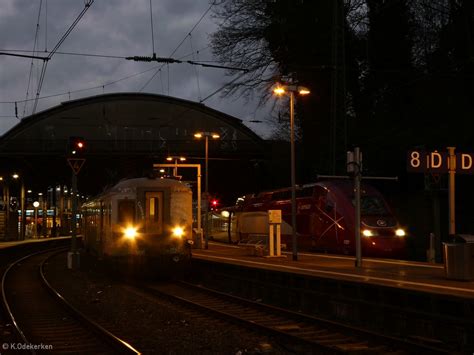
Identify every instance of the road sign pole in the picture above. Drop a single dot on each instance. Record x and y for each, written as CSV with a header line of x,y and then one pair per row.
x,y
73,257
74,214
73,260
452,191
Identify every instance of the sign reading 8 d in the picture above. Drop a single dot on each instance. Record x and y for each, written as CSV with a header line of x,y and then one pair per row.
x,y
438,162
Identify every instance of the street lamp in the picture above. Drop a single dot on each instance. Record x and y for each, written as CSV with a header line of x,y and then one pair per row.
x,y
290,90
206,135
175,158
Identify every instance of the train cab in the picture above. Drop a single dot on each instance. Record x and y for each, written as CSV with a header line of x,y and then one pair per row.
x,y
334,225
143,218
325,219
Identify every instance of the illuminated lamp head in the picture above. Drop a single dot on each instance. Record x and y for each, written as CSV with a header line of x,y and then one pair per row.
x,y
178,232
130,233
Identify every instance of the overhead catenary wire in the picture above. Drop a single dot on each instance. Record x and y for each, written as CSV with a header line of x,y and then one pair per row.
x,y
46,26
158,69
180,44
182,112
152,30
32,63
87,4
192,54
167,61
185,110
195,67
98,86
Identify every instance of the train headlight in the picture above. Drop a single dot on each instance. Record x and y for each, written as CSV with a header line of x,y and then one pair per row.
x,y
178,232
367,233
130,233
400,232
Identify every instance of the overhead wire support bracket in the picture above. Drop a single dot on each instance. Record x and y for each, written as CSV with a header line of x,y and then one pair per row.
x,y
25,56
216,66
154,58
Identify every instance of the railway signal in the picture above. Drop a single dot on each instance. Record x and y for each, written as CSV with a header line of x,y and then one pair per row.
x,y
77,146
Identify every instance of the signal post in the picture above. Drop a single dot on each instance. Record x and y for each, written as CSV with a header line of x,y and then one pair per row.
x,y
354,165
75,161
354,168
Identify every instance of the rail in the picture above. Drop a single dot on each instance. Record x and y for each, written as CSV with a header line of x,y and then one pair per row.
x,y
298,329
103,336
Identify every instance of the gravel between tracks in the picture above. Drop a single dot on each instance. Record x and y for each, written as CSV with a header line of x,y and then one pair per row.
x,y
153,327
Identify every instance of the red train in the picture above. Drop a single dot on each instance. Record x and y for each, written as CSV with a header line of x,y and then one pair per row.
x,y
325,219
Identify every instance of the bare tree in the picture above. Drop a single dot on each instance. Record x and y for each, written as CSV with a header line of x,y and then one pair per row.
x,y
241,42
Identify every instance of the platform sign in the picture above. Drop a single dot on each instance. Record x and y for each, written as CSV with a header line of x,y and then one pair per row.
x,y
76,164
422,161
274,216
443,162
438,162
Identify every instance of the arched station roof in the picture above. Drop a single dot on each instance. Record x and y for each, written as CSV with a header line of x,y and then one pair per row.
x,y
125,134
129,124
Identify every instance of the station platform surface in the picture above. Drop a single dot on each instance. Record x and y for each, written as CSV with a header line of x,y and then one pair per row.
x,y
410,275
13,243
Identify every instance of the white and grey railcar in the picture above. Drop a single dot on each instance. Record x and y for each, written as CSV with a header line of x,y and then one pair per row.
x,y
148,219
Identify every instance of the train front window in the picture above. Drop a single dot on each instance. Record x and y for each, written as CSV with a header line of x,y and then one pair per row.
x,y
126,211
154,212
372,205
154,209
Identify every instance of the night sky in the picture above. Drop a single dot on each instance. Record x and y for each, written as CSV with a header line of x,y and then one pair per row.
x,y
114,28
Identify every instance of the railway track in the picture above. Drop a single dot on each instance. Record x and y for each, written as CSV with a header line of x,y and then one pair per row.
x,y
44,320
318,335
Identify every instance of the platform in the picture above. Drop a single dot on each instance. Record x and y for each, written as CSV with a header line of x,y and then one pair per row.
x,y
417,276
15,243
400,298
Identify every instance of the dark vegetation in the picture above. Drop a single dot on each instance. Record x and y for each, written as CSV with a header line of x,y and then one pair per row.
x,y
387,76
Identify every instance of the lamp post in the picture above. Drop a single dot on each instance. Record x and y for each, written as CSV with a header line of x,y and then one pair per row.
x,y
5,205
290,90
206,135
175,158
44,214
22,206
35,231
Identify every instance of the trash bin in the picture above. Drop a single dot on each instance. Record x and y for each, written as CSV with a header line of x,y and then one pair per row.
x,y
459,258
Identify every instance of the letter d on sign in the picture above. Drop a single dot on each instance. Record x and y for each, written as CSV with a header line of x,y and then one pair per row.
x,y
466,161
436,160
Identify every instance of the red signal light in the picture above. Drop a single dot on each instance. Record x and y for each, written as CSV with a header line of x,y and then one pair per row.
x,y
214,204
77,145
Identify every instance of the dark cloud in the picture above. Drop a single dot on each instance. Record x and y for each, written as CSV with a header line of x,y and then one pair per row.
x,y
113,27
